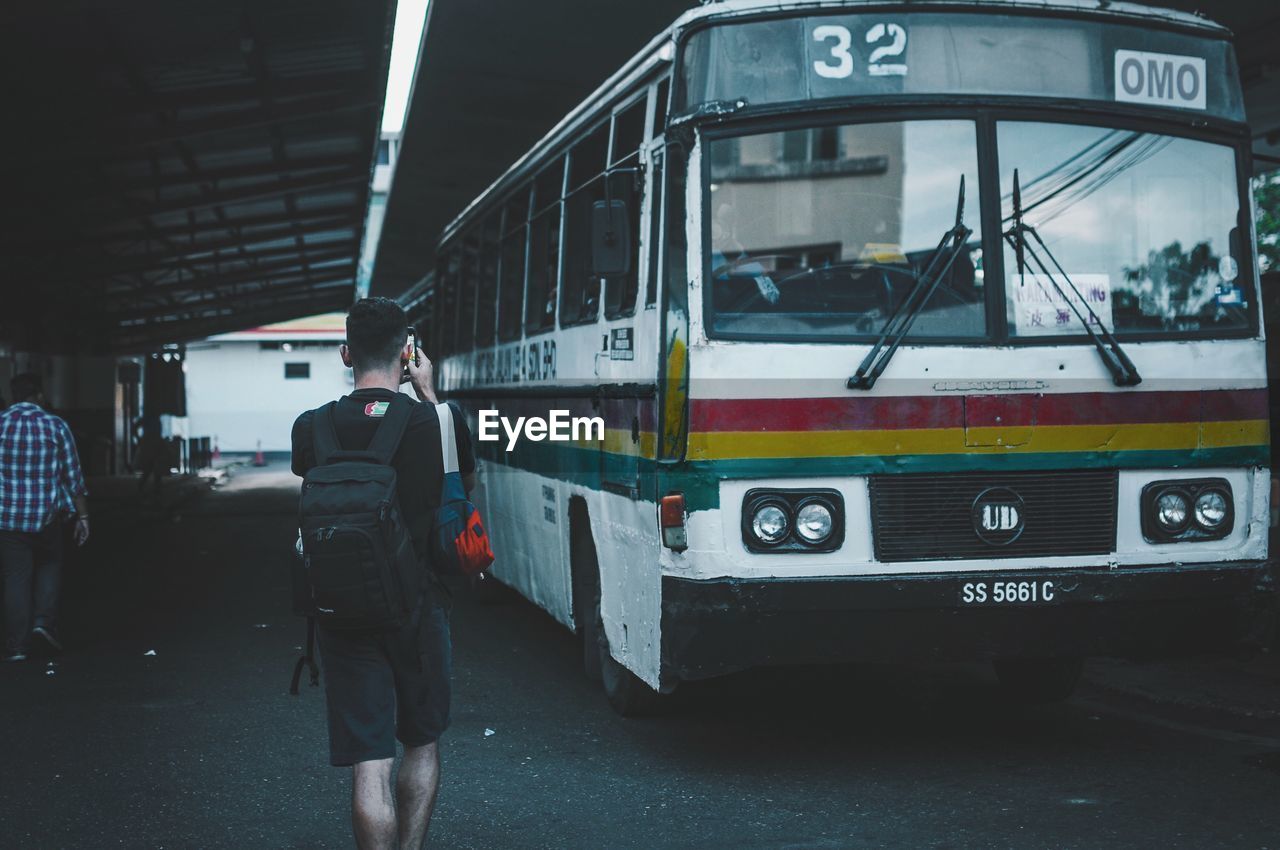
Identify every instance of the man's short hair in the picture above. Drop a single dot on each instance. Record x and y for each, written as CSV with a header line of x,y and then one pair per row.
x,y
376,330
25,386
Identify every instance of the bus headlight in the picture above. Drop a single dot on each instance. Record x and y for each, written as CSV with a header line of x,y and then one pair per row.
x,y
1171,511
1187,510
1211,510
814,522
777,520
770,523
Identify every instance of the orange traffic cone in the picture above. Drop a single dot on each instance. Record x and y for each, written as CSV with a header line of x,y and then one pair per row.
x,y
259,459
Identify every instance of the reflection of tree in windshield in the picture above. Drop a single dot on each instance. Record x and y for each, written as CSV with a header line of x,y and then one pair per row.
x,y
1182,282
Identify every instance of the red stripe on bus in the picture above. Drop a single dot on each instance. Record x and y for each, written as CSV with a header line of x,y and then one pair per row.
x,y
976,411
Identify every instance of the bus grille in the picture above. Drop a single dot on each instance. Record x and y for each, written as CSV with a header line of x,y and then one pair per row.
x,y
925,517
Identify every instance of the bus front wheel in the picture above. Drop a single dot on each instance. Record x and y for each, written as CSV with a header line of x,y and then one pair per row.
x,y
586,602
627,693
1039,680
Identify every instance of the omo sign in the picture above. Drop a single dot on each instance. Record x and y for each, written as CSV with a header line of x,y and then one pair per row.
x,y
1160,79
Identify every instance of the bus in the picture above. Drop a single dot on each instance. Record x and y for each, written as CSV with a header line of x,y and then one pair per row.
x,y
920,330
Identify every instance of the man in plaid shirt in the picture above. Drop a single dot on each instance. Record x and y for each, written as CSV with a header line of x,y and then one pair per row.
x,y
40,484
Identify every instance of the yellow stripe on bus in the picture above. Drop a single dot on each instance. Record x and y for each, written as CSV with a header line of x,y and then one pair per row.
x,y
724,445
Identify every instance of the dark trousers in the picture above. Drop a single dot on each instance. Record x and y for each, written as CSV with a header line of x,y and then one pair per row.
x,y
32,566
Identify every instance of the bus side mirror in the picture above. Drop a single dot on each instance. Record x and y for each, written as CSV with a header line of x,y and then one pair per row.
x,y
610,239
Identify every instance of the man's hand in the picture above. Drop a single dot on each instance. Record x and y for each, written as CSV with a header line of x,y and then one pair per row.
x,y
81,535
422,374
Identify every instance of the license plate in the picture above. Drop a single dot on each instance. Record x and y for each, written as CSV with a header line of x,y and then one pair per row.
x,y
1008,592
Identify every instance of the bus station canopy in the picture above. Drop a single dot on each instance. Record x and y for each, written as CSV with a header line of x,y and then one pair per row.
x,y
490,85
177,168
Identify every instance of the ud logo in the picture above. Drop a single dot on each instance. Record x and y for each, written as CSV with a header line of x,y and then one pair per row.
x,y
998,516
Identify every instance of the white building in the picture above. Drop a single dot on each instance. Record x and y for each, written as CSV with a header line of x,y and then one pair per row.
x,y
245,389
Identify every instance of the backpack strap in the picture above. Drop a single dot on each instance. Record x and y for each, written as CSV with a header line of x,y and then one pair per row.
x,y
324,436
306,661
448,442
386,440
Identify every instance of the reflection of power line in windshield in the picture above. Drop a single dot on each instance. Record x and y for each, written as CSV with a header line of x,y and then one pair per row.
x,y
1062,166
1072,178
1096,172
1141,153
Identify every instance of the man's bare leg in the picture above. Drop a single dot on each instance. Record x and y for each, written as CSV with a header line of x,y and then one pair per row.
x,y
373,811
416,788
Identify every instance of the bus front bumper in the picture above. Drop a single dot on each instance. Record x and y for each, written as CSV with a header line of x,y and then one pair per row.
x,y
717,626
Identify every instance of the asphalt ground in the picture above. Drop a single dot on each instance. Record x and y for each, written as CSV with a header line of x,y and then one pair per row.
x,y
199,745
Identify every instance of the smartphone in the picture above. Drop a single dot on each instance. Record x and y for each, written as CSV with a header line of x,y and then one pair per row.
x,y
412,342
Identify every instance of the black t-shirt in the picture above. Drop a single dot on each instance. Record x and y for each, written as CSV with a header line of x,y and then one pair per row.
x,y
419,467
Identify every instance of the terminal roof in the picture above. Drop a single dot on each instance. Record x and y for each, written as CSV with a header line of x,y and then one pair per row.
x,y
176,168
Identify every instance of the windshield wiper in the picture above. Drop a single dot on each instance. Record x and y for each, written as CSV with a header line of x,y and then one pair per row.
x,y
1122,370
899,323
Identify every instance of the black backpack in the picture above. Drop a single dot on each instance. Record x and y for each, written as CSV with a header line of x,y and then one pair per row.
x,y
359,566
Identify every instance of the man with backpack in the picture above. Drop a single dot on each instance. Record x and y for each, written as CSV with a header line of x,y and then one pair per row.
x,y
374,471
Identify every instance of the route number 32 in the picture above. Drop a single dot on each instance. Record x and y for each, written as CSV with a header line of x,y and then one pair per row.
x,y
880,63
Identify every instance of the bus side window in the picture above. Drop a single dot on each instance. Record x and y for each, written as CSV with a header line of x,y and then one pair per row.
x,y
487,304
511,271
422,318
447,301
544,250
676,252
660,109
628,131
620,292
580,297
468,286
656,190
625,184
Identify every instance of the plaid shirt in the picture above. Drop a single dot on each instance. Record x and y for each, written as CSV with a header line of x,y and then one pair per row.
x,y
39,468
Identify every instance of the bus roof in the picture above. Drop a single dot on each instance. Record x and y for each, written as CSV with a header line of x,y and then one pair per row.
x,y
1091,8
661,50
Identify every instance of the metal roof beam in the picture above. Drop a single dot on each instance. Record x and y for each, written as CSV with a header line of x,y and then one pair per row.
x,y
343,83
217,281
291,250
145,336
196,251
326,213
241,172
323,106
269,289
251,194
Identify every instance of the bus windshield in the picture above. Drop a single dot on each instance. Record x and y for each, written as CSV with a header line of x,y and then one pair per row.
x,y
819,233
1144,225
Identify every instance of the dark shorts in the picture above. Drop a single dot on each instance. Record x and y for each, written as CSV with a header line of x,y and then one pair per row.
x,y
381,687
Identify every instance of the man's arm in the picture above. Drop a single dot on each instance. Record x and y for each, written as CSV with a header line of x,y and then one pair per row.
x,y
73,481
422,375
301,459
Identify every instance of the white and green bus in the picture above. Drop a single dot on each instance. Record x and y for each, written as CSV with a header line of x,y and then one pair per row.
x,y
917,330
